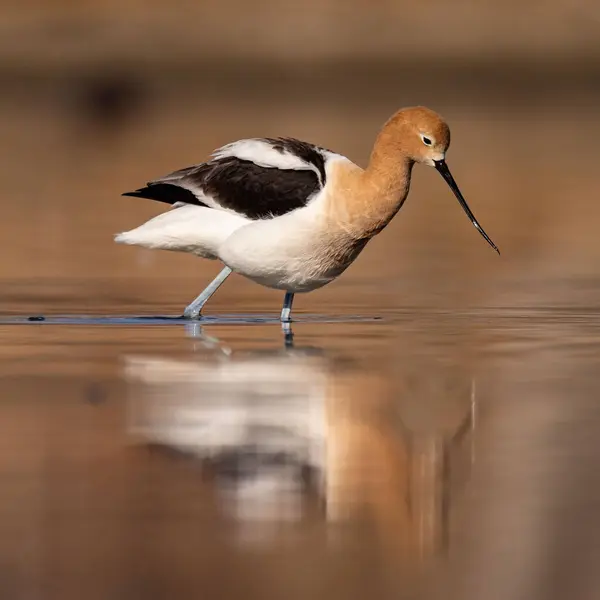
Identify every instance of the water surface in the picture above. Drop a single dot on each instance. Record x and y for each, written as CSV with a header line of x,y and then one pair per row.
x,y
432,433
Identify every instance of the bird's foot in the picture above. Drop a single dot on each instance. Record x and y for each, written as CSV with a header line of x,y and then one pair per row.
x,y
193,314
194,330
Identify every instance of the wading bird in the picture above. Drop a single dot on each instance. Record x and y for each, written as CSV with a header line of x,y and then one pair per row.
x,y
288,214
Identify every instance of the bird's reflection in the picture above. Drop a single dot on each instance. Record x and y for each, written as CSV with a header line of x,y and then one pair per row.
x,y
290,435
195,331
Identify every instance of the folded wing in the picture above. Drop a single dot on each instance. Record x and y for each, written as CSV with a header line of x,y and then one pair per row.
x,y
254,178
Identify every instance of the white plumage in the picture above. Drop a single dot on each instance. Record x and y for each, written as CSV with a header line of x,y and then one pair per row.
x,y
262,153
186,228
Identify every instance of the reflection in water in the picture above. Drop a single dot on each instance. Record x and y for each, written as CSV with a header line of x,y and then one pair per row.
x,y
294,435
257,421
273,465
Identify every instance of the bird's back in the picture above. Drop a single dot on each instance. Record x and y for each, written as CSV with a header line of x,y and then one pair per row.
x,y
254,178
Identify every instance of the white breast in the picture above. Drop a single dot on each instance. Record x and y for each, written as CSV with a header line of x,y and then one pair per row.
x,y
278,253
297,252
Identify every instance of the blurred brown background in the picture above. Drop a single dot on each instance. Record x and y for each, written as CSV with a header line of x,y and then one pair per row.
x,y
100,96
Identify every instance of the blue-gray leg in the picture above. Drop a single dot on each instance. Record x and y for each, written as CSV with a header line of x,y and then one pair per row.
x,y
286,319
286,311
195,308
288,334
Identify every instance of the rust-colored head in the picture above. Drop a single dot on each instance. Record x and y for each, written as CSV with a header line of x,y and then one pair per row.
x,y
420,135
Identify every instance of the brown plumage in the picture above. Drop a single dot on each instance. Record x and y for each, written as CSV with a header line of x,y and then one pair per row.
x,y
363,201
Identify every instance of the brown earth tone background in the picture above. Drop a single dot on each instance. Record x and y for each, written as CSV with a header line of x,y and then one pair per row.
x,y
460,430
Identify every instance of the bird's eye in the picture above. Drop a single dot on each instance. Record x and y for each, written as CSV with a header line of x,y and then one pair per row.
x,y
426,140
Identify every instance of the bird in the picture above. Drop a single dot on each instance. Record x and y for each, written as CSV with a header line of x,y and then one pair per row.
x,y
288,214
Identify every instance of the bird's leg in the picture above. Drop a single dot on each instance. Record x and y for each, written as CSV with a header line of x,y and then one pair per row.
x,y
286,311
286,319
194,330
195,308
288,334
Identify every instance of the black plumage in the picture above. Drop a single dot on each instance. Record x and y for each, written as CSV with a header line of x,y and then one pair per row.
x,y
243,186
307,152
167,193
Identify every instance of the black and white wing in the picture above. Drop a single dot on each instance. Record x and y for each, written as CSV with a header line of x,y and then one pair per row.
x,y
255,178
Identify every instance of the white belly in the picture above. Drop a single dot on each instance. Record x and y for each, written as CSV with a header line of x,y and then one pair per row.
x,y
292,253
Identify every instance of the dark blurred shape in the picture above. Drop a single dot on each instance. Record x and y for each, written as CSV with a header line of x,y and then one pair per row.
x,y
246,462
107,100
95,394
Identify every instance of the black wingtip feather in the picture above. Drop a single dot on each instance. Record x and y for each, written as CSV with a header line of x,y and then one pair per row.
x,y
167,193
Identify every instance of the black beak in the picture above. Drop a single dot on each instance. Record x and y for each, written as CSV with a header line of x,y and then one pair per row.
x,y
444,171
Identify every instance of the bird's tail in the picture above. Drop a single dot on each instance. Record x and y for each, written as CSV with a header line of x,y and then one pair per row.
x,y
193,229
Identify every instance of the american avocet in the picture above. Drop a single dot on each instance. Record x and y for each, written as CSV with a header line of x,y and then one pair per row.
x,y
288,214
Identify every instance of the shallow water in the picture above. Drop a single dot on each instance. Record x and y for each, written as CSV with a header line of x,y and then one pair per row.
x,y
421,452
433,432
